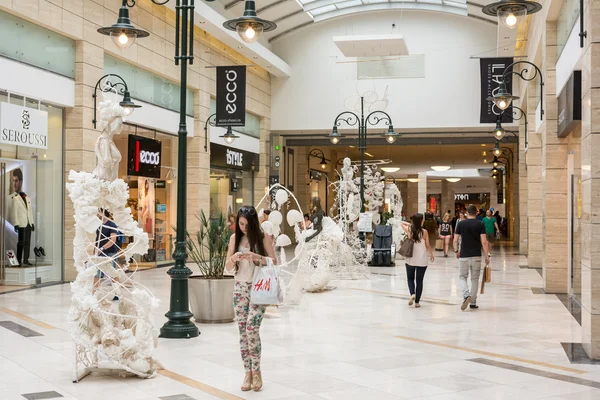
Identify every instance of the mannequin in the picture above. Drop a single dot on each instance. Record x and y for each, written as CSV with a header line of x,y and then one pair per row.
x,y
21,217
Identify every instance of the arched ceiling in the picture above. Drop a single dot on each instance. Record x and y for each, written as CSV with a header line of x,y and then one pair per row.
x,y
291,15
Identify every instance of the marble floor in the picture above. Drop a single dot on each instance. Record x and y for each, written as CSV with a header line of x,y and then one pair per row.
x,y
359,341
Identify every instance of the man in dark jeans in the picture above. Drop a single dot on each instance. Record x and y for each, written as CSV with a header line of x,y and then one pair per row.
x,y
106,243
473,239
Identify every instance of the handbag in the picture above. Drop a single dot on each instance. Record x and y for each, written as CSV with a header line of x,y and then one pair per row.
x,y
266,286
406,247
487,277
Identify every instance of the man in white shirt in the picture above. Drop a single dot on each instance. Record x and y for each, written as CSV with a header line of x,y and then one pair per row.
x,y
21,217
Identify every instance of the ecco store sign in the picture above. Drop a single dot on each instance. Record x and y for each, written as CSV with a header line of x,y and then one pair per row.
x,y
23,126
231,96
143,157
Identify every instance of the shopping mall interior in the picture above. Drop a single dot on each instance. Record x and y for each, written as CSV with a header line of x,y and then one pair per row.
x,y
299,199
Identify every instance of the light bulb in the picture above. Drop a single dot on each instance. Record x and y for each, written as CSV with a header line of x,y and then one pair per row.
x,y
127,111
510,20
123,39
502,104
334,140
229,140
391,139
250,33
323,166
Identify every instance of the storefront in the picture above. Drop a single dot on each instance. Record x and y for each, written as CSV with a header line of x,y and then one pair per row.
x,y
479,200
231,179
31,183
149,167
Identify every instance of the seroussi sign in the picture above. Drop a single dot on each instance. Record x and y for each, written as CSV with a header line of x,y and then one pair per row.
x,y
23,126
231,96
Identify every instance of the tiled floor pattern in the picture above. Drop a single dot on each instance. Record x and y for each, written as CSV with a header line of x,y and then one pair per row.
x,y
360,341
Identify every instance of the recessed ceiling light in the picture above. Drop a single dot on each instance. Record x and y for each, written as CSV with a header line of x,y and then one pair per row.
x,y
453,180
390,169
413,180
483,145
440,168
369,154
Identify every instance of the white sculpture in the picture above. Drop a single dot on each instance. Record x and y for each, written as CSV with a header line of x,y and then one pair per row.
x,y
395,207
110,123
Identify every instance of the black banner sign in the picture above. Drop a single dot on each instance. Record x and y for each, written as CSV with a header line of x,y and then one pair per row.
x,y
491,76
143,157
230,158
231,96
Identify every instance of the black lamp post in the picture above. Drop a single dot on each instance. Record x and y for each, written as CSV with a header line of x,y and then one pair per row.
x,y
372,119
503,98
318,153
518,116
124,33
119,87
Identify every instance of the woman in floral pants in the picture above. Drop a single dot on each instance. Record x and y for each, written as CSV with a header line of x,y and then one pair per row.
x,y
248,249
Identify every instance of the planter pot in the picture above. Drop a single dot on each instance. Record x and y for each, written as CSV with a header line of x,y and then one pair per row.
x,y
211,300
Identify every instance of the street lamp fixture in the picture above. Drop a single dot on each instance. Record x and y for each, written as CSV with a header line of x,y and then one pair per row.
x,y
249,26
511,12
495,171
124,33
503,98
497,150
496,162
117,87
499,130
229,136
334,136
390,135
317,153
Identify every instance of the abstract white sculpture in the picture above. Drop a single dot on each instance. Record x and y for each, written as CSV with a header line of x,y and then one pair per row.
x,y
109,334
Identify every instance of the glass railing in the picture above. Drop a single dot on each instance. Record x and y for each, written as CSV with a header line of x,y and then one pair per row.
x,y
31,44
567,17
146,86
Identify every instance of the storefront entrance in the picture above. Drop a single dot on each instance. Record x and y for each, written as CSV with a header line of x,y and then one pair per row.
x,y
31,193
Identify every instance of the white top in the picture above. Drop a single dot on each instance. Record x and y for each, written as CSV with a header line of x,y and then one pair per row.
x,y
419,258
245,271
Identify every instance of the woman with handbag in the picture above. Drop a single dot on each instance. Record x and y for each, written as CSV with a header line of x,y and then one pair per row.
x,y
248,248
416,264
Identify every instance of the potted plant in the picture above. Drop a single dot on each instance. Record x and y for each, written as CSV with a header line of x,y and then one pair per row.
x,y
211,292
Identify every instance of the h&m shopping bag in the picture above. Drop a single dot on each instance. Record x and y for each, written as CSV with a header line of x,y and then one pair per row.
x,y
266,286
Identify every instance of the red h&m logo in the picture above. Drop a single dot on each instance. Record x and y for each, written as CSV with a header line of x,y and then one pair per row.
x,y
263,285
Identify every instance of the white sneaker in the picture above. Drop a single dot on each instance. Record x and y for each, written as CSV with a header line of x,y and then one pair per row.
x,y
412,300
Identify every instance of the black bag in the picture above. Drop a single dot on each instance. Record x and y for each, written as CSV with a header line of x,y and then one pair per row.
x,y
382,246
406,247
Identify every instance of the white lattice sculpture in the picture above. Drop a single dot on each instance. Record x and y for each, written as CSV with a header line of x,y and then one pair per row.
x,y
395,207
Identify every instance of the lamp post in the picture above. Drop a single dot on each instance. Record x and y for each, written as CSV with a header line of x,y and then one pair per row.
x,y
523,115
119,87
372,119
124,33
503,98
318,153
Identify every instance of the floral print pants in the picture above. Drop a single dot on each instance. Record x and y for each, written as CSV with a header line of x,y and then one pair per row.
x,y
249,317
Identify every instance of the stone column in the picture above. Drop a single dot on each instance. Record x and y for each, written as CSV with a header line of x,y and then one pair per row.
x,y
590,177
422,194
534,187
447,197
554,179
521,169
412,197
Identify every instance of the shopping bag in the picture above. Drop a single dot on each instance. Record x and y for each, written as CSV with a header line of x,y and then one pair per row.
x,y
266,286
487,277
439,244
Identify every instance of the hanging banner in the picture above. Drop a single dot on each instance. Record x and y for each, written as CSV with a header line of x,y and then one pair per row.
x,y
231,96
491,76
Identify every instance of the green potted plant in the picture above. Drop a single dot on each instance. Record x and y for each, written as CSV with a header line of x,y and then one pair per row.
x,y
211,292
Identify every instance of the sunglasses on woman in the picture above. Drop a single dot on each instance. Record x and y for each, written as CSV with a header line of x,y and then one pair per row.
x,y
248,210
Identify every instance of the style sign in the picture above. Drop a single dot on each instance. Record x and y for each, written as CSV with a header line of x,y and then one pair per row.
x,y
492,70
231,158
23,126
143,157
234,158
231,96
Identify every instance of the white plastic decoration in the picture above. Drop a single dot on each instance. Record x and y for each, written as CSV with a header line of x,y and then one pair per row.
x,y
267,227
294,217
283,241
261,213
281,197
276,218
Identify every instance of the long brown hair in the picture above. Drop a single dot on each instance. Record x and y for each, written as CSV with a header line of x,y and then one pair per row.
x,y
254,232
416,227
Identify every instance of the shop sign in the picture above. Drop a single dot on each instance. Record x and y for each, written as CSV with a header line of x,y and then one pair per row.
x,y
231,96
23,126
233,185
466,196
144,157
492,69
230,158
315,175
569,105
161,184
161,208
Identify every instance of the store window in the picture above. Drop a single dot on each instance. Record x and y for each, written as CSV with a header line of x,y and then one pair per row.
x,y
32,186
152,190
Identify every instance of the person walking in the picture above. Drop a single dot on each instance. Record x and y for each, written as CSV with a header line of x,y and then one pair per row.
x,y
417,264
491,227
248,248
473,239
446,232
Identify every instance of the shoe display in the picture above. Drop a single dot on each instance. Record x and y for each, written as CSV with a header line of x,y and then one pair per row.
x,y
465,303
41,249
37,252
